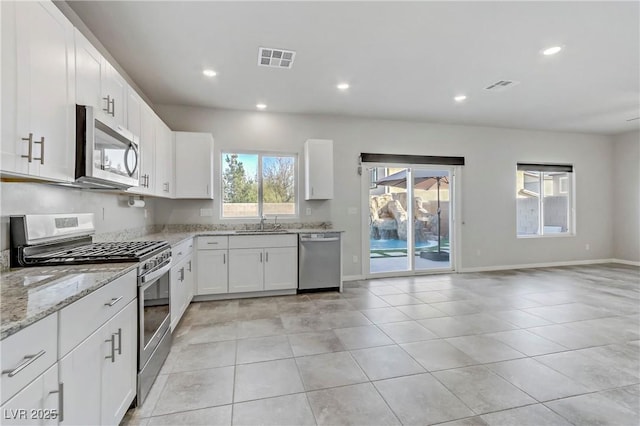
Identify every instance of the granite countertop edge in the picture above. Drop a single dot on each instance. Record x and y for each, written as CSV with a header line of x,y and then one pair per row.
x,y
13,327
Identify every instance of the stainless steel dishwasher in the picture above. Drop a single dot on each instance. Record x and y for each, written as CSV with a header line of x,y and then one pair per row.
x,y
319,261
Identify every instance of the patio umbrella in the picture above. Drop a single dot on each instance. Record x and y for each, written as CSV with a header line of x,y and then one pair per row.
x,y
422,179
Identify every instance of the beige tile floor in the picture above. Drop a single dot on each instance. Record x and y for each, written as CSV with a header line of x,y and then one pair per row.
x,y
554,346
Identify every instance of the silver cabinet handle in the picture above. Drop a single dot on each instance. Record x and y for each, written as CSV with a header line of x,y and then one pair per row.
x,y
30,140
27,360
260,257
147,180
182,274
179,253
60,392
112,357
224,258
267,256
113,301
119,333
113,107
189,266
312,191
212,243
108,109
41,142
207,189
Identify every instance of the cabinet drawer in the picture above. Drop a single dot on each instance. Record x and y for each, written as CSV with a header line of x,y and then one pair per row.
x,y
181,251
212,243
81,318
27,354
263,241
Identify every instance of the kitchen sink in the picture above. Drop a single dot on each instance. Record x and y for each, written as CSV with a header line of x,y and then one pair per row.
x,y
257,231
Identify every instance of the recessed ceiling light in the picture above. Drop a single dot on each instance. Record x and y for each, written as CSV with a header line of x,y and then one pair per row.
x,y
551,50
209,73
460,98
261,106
343,86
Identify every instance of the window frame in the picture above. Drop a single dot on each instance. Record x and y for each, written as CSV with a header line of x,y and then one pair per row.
x,y
260,202
570,192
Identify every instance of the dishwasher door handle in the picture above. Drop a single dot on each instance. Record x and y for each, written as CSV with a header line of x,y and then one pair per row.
x,y
304,240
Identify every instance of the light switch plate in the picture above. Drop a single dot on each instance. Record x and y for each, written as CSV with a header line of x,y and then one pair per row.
x,y
308,211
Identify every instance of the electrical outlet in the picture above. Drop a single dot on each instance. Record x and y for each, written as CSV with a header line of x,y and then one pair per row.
x,y
206,212
587,246
355,259
308,211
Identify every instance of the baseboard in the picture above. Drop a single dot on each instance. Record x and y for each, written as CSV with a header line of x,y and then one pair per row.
x,y
352,277
625,262
536,265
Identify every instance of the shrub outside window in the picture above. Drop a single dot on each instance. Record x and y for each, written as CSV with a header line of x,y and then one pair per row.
x,y
257,184
544,199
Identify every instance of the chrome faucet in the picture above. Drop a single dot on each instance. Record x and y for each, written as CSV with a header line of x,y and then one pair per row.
x,y
262,219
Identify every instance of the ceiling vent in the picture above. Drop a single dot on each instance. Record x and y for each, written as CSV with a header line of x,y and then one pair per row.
x,y
275,58
501,85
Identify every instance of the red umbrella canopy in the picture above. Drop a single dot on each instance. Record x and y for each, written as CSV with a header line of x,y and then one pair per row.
x,y
422,179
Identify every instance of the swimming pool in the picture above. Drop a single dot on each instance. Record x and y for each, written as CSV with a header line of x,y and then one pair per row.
x,y
395,244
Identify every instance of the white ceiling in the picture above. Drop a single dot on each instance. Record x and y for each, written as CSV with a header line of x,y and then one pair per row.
x,y
402,60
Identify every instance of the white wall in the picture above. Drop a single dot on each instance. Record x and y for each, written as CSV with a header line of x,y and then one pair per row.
x,y
626,195
111,210
487,180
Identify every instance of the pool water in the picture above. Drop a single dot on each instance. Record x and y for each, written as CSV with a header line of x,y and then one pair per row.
x,y
392,244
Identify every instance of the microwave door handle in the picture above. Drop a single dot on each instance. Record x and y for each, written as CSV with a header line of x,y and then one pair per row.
x,y
126,157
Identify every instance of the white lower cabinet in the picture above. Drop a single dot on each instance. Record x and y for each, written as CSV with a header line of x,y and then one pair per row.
x,y
212,265
281,268
36,404
98,351
99,375
212,272
263,263
181,282
246,270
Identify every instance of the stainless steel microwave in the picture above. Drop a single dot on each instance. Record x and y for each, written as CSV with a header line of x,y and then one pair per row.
x,y
106,157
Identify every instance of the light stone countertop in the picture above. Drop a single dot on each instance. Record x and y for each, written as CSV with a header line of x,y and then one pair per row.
x,y
30,294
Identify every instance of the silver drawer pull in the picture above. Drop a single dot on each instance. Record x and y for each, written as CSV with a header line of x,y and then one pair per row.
x,y
179,253
212,243
113,301
28,359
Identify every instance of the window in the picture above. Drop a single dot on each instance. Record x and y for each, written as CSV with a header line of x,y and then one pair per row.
x,y
544,202
257,184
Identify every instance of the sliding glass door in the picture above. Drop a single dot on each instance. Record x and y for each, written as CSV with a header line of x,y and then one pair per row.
x,y
409,225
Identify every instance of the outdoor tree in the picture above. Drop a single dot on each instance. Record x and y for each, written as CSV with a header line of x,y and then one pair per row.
x,y
278,180
237,186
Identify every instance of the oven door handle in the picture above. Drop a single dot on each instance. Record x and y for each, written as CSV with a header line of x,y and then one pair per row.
x,y
155,274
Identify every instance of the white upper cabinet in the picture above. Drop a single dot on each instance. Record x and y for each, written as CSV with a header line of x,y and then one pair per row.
x,y
89,70
193,153
38,91
164,160
318,166
99,85
114,95
147,148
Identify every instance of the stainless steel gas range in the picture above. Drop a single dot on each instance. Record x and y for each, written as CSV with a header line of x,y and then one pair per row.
x,y
66,239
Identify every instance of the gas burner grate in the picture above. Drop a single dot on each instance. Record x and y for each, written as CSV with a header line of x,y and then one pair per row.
x,y
101,252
